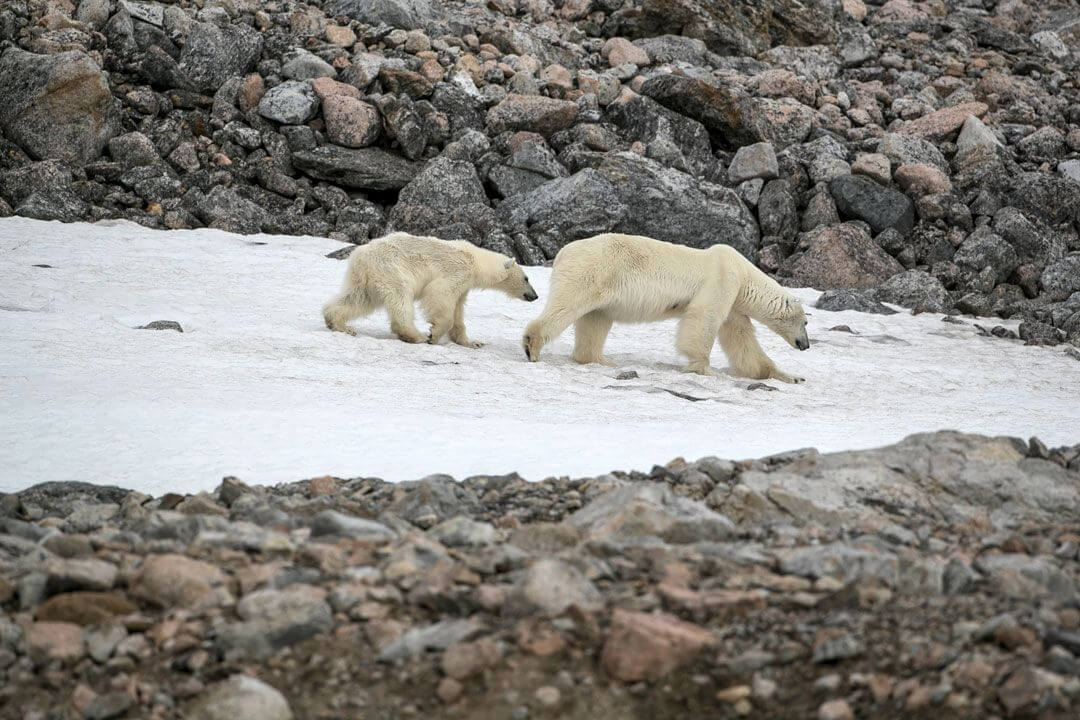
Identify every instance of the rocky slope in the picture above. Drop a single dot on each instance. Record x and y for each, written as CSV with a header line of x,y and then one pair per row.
x,y
920,153
934,578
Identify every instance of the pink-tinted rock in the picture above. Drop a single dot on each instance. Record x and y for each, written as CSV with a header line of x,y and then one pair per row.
x,y
532,112
350,122
251,92
844,256
641,646
939,124
175,580
340,36
620,51
918,179
47,641
325,87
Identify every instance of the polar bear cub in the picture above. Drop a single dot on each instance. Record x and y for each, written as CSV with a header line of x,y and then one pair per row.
x,y
395,270
714,292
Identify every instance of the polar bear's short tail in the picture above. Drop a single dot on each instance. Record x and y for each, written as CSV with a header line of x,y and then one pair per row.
x,y
354,301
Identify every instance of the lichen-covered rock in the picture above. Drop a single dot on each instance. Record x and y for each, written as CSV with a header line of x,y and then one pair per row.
x,y
213,53
56,106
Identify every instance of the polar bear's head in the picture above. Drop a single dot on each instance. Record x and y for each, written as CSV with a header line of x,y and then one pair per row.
x,y
514,282
788,320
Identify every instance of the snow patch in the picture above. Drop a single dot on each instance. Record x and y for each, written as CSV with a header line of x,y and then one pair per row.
x,y
255,386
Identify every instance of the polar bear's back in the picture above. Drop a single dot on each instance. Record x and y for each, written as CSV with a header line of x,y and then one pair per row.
x,y
636,278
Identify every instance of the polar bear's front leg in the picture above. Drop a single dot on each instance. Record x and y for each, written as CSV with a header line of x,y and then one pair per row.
x,y
747,359
695,339
457,330
590,332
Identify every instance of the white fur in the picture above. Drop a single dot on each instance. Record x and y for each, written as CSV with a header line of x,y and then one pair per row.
x,y
631,279
400,268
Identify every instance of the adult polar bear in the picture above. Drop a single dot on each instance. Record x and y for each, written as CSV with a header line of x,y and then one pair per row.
x,y
397,269
631,279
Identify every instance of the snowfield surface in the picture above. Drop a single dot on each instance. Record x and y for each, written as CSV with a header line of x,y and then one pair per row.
x,y
257,387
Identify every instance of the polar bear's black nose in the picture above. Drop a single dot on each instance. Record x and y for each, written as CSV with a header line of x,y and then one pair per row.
x,y
802,344
530,295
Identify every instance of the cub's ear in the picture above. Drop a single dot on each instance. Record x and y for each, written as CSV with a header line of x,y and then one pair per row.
x,y
508,264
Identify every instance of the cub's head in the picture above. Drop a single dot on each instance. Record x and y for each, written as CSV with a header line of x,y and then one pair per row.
x,y
789,322
514,282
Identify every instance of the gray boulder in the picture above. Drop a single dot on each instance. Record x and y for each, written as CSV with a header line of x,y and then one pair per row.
x,y
1062,278
407,14
56,106
670,138
213,53
985,249
881,207
443,186
293,102
915,289
666,204
364,168
843,256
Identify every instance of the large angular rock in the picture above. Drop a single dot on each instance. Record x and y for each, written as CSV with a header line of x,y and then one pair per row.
x,y
666,204
984,249
350,122
406,14
880,207
644,512
539,114
42,190
1053,199
54,641
727,113
293,102
551,586
56,106
915,289
843,256
363,168
225,209
669,137
566,209
942,123
213,53
443,186
945,475
1061,279
169,581
728,27
643,646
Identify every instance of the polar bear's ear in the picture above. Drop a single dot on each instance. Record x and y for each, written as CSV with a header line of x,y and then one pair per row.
x,y
508,264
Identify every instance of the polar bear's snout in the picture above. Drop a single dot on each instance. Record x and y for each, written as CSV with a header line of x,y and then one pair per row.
x,y
530,295
802,343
